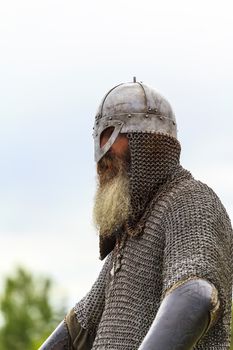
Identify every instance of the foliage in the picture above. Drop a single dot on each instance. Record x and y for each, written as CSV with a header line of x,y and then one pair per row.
x,y
26,310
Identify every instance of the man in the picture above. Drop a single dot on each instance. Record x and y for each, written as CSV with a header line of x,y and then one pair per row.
x,y
167,279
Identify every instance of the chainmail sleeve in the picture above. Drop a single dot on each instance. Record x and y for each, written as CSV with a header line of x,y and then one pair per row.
x,y
89,310
198,243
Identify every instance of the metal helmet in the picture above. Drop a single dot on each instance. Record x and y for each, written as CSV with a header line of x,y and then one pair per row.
x,y
130,108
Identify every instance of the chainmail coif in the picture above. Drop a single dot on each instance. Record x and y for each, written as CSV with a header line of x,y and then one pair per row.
x,y
153,161
184,231
154,158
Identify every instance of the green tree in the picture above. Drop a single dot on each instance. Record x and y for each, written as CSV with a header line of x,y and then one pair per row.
x,y
26,310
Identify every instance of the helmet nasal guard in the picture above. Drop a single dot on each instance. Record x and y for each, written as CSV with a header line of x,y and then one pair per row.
x,y
131,108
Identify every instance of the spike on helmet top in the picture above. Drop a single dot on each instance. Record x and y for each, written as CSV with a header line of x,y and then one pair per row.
x,y
131,108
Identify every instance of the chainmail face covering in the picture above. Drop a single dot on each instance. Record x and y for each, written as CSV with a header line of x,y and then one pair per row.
x,y
154,158
184,232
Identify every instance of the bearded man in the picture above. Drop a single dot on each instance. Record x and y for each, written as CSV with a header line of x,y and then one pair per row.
x,y
167,239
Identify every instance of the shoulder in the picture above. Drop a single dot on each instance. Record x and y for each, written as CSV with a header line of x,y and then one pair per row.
x,y
195,202
197,194
189,200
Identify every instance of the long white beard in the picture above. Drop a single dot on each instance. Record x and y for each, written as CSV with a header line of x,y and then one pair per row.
x,y
112,205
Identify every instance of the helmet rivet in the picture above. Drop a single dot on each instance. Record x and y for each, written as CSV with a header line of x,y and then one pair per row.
x,y
110,118
174,123
106,124
119,123
149,108
156,110
129,115
161,118
146,115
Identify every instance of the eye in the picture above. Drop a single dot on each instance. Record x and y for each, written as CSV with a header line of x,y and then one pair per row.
x,y
105,136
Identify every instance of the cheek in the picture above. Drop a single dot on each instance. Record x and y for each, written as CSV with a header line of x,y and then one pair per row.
x,y
121,145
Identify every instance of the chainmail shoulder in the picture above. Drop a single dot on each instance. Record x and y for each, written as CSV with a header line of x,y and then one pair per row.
x,y
199,243
89,309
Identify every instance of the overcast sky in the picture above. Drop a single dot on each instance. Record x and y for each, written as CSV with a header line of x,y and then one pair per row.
x,y
57,60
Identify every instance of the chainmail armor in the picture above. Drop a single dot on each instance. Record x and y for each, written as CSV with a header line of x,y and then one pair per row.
x,y
187,233
179,229
90,308
154,158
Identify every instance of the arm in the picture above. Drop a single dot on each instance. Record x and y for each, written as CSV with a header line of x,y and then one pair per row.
x,y
78,329
184,316
197,246
58,340
69,335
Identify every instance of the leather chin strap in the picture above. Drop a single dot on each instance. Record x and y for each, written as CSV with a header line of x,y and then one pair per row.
x,y
58,340
183,318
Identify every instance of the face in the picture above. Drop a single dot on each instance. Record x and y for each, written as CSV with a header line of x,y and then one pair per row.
x,y
112,200
119,147
116,160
